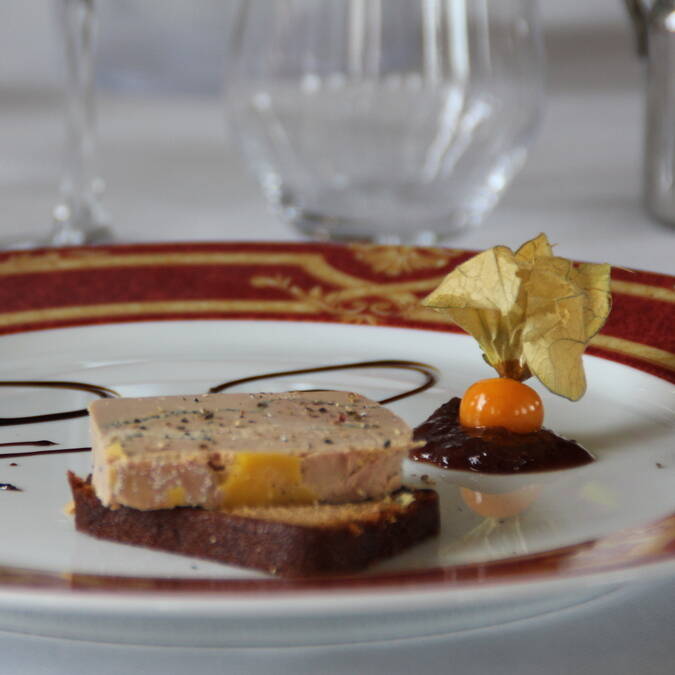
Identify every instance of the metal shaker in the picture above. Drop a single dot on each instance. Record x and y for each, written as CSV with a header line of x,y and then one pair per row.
x,y
655,30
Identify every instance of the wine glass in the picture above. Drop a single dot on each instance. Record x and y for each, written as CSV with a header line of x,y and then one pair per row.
x,y
78,217
395,121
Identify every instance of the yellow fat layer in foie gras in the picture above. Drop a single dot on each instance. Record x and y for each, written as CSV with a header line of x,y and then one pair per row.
x,y
265,479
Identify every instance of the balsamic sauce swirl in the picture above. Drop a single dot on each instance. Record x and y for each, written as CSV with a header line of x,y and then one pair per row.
x,y
36,444
36,453
429,372
103,392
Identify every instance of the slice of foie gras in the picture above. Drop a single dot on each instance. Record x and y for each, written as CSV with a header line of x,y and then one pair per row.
x,y
227,450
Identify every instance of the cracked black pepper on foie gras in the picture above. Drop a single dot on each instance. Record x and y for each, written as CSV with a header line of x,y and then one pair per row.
x,y
226,450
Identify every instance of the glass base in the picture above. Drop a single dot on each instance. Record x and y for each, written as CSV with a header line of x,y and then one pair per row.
x,y
318,228
394,212
70,236
416,229
339,220
62,234
100,237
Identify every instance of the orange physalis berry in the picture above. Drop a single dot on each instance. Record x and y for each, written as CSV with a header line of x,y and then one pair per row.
x,y
502,402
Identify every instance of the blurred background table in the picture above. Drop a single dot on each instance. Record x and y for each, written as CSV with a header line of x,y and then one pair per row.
x,y
173,174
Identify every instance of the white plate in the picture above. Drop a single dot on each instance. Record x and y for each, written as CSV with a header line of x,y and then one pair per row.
x,y
57,582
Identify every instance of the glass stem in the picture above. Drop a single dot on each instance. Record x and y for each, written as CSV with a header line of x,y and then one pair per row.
x,y
638,10
79,217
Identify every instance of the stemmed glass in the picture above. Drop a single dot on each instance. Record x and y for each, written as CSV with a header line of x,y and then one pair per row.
x,y
79,217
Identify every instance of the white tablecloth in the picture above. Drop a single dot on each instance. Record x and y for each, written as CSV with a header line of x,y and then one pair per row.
x,y
173,175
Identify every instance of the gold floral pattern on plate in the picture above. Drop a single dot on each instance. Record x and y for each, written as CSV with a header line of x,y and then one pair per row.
x,y
394,261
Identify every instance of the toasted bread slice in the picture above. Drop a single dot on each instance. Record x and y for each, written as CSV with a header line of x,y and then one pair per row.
x,y
290,541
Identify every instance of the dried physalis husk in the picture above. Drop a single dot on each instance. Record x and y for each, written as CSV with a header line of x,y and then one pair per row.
x,y
531,312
